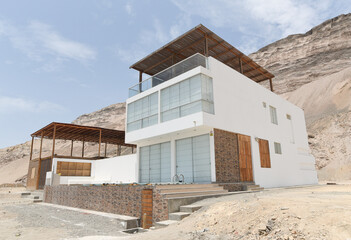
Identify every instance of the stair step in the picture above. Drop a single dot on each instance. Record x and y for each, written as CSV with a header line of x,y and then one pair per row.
x,y
177,216
190,194
186,186
165,223
190,208
256,189
199,189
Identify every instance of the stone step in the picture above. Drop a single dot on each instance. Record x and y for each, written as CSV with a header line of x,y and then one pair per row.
x,y
201,185
199,189
256,189
164,223
191,194
190,208
178,216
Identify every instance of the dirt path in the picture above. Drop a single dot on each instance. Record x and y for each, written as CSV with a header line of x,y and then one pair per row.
x,y
319,212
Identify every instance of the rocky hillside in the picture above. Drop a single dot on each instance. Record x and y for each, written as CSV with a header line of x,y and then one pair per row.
x,y
313,71
303,58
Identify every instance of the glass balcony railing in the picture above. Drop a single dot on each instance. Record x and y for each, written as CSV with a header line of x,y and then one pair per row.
x,y
187,64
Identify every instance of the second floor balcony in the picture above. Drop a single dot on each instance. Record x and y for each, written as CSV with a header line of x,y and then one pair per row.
x,y
175,70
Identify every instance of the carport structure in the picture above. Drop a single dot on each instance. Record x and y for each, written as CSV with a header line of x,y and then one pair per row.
x,y
38,167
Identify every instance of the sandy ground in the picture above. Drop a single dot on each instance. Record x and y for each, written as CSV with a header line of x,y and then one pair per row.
x,y
318,212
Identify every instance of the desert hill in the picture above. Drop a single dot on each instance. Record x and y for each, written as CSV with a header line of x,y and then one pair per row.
x,y
313,71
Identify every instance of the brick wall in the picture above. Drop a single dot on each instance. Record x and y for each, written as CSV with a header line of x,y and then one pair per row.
x,y
120,199
227,156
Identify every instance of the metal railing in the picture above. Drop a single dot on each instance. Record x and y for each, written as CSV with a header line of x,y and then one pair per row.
x,y
185,65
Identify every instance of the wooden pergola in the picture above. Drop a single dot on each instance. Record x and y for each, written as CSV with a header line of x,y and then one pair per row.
x,y
201,40
65,131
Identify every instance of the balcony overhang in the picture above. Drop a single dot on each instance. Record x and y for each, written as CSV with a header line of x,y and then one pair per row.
x,y
201,40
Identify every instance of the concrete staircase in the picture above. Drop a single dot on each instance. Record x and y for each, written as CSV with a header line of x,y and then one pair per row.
x,y
253,188
190,190
35,196
181,196
175,217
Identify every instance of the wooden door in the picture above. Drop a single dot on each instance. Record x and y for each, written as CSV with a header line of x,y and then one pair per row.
x,y
146,208
245,160
45,166
264,153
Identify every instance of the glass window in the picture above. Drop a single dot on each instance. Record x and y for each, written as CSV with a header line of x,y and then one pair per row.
x,y
143,112
155,163
273,112
277,148
187,97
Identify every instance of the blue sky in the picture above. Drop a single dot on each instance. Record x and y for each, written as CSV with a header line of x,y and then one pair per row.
x,y
61,59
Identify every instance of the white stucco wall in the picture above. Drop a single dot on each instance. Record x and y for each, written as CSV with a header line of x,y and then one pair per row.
x,y
121,169
238,104
238,107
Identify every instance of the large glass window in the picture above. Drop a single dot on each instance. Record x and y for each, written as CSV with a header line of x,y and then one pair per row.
x,y
143,112
187,97
194,159
155,163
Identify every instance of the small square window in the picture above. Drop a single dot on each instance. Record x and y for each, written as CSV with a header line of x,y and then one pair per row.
x,y
288,116
274,118
277,148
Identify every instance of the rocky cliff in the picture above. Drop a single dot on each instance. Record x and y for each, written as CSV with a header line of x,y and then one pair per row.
x,y
302,58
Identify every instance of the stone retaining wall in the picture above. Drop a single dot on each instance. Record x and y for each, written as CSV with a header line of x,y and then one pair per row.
x,y
120,199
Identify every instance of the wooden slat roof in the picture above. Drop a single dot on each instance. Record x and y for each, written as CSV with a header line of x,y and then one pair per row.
x,y
66,131
193,42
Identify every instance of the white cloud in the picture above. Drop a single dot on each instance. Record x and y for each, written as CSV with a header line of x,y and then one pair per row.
x,y
13,104
129,8
59,46
260,21
41,43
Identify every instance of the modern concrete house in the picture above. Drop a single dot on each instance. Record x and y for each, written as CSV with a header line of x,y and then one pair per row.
x,y
203,126
202,117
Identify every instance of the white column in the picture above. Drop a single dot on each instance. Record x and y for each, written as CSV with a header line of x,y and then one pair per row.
x,y
137,164
213,159
173,159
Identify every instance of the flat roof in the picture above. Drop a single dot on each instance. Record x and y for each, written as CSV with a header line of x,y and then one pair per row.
x,y
67,131
201,40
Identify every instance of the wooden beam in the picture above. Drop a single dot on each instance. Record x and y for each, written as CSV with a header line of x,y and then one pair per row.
x,y
39,162
271,84
53,143
105,149
119,150
31,150
140,76
158,63
241,65
206,46
99,144
238,55
83,149
41,144
72,148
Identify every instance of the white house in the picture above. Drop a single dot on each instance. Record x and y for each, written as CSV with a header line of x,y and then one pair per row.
x,y
202,117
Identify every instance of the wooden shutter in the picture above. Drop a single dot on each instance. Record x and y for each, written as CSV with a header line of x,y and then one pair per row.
x,y
73,169
264,153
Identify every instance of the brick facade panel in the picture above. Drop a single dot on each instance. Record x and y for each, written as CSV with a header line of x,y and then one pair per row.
x,y
226,156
